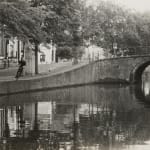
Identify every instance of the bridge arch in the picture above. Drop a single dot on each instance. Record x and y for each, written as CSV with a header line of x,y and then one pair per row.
x,y
136,73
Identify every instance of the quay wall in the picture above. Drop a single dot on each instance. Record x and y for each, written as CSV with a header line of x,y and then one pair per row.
x,y
102,71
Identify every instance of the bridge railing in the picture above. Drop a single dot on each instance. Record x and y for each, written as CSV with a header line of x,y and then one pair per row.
x,y
119,53
135,51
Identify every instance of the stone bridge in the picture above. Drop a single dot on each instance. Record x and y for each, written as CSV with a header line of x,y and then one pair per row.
x,y
121,70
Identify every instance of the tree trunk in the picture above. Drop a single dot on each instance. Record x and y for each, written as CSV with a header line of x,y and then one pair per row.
x,y
36,59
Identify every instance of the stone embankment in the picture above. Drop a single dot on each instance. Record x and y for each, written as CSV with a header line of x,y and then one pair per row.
x,y
82,74
115,70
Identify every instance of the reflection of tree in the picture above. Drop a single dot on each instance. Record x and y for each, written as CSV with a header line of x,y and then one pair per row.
x,y
35,132
113,116
114,127
6,129
96,128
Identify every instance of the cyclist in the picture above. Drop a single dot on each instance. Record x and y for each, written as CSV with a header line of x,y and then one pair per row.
x,y
22,63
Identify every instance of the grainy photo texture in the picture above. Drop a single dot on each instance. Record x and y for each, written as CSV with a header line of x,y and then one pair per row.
x,y
74,75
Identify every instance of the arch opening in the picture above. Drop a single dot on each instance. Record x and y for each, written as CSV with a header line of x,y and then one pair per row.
x,y
136,74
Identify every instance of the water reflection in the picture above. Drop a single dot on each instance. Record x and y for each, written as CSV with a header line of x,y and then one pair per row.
x,y
110,117
146,84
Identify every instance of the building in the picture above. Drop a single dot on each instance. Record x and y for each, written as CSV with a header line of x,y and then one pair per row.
x,y
47,53
15,49
93,52
12,49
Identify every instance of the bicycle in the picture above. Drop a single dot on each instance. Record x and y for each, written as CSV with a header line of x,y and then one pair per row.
x,y
19,72
20,69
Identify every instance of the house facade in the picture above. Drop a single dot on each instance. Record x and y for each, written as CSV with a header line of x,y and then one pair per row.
x,y
47,53
93,53
12,49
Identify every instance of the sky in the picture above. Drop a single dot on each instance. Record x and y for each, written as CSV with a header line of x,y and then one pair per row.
x,y
138,5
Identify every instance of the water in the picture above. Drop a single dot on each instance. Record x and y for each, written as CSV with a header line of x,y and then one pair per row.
x,y
96,117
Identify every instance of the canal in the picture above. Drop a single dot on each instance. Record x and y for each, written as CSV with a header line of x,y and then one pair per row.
x,y
94,117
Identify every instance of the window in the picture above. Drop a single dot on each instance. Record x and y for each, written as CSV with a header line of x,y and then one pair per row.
x,y
42,58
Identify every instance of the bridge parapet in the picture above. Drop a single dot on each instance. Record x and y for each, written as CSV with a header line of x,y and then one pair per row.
x,y
127,68
124,57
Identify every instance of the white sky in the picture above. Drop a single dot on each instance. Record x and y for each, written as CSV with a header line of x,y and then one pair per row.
x,y
139,5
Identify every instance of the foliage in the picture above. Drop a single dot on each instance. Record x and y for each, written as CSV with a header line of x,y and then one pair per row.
x,y
69,22
18,19
64,52
109,23
63,26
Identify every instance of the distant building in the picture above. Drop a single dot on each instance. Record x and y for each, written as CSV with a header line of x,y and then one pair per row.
x,y
47,53
15,48
11,48
93,53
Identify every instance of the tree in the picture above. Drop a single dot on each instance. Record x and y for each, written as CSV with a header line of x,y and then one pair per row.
x,y
109,23
22,21
15,16
101,25
63,26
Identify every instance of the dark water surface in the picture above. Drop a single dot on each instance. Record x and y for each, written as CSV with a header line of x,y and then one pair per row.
x,y
96,117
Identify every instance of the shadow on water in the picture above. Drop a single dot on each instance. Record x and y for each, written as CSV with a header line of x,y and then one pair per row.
x,y
95,117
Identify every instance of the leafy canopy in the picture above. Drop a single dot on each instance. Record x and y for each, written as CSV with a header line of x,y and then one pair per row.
x,y
63,25
17,18
109,23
